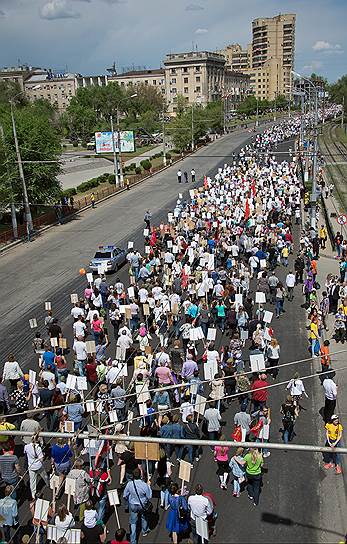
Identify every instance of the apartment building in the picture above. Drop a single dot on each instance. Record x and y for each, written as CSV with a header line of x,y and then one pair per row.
x,y
269,59
16,74
58,89
155,78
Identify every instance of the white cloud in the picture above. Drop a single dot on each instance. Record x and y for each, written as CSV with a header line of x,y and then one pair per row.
x,y
57,9
322,45
194,7
201,31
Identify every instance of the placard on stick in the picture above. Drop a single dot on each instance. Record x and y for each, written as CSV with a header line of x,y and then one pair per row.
x,y
90,346
48,306
184,471
200,404
74,298
89,277
54,342
32,377
211,334
267,317
33,323
114,501
260,297
147,450
257,362
41,510
62,343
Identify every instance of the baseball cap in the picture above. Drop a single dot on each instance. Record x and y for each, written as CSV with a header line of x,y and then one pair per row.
x,y
334,416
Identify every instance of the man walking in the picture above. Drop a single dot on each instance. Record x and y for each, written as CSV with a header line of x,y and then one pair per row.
x,y
290,283
138,494
179,176
330,392
200,507
35,458
192,173
147,219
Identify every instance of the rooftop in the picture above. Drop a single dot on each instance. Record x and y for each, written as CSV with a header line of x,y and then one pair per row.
x,y
139,73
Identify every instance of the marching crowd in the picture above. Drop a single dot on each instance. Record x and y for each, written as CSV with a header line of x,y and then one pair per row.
x,y
190,339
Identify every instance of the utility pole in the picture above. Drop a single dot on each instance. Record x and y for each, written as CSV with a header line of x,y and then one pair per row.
x,y
119,145
28,217
257,116
343,111
115,160
13,208
192,126
314,173
164,141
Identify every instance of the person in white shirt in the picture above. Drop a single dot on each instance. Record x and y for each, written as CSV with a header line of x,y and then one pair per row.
x,y
200,507
290,283
296,387
330,392
35,458
80,350
79,327
143,295
76,311
124,342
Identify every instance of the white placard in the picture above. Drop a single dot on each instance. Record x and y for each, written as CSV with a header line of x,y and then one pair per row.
x,y
142,393
260,297
69,427
113,497
130,245
131,292
257,362
196,334
169,244
90,406
89,277
262,263
211,334
200,404
210,370
174,249
32,377
72,536
70,486
113,416
54,342
74,298
238,298
48,306
210,263
41,509
202,528
180,196
267,335
71,381
54,481
267,317
122,370
33,323
90,346
147,250
244,334
191,193
184,471
145,232
81,383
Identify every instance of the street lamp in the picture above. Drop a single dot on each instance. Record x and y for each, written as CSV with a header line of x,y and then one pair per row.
x,y
315,152
29,219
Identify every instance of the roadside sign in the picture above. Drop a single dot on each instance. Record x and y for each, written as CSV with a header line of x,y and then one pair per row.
x,y
341,219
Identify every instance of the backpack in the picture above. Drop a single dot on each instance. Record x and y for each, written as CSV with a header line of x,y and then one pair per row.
x,y
288,417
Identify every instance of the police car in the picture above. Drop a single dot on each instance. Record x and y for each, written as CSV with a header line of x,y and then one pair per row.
x,y
108,259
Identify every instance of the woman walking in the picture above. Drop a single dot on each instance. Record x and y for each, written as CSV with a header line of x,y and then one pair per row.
x,y
177,520
279,303
238,471
222,460
253,464
273,357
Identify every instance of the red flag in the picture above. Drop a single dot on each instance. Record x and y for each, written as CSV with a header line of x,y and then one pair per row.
x,y
247,210
205,183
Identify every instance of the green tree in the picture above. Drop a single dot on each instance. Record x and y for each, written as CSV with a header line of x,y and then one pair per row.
x,y
39,140
338,91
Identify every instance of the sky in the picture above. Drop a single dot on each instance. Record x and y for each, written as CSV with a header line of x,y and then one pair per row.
x,y
87,36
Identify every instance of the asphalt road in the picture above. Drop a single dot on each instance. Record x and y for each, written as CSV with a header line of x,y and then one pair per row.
x,y
47,269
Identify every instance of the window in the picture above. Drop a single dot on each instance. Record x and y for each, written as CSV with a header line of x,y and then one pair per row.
x,y
174,90
197,68
173,80
146,81
173,71
185,70
198,90
186,90
197,79
122,83
154,81
185,80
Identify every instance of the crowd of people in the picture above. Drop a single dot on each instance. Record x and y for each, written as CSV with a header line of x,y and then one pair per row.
x,y
187,341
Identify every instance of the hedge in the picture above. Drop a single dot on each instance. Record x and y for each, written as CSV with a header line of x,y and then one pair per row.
x,y
138,170
69,192
86,185
146,164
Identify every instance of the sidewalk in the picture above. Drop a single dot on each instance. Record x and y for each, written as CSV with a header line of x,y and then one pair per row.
x,y
333,488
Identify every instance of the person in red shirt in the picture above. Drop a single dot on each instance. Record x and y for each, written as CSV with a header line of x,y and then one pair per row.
x,y
119,537
259,395
211,518
90,369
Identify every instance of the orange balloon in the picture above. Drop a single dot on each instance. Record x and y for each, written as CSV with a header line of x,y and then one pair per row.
x,y
82,272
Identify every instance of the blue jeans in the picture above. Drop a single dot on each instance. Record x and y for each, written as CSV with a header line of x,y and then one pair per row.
x,y
279,307
332,457
164,498
288,433
236,485
134,516
80,367
204,327
101,508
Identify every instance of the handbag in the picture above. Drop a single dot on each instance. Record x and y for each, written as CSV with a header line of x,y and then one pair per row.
x,y
147,506
182,512
237,434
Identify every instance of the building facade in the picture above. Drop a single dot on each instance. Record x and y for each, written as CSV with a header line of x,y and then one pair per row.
x,y
155,78
58,89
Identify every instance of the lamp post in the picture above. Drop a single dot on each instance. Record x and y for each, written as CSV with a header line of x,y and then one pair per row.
x,y
115,159
13,208
121,177
28,217
315,152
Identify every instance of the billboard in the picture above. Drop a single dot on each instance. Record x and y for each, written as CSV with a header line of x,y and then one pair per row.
x,y
103,141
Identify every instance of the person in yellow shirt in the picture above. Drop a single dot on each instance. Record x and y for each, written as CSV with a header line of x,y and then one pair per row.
x,y
6,426
323,236
314,336
285,255
333,437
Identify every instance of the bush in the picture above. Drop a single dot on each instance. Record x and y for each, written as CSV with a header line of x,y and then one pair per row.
x,y
168,156
146,164
86,185
103,178
132,166
69,192
75,143
84,143
138,170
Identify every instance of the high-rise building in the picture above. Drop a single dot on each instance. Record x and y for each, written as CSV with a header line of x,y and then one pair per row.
x,y
269,59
